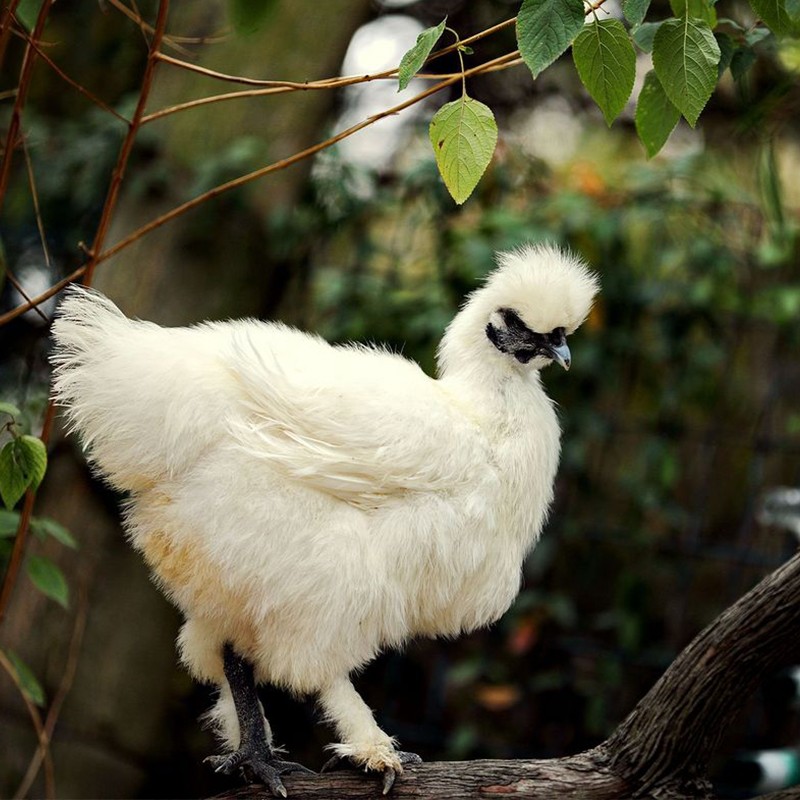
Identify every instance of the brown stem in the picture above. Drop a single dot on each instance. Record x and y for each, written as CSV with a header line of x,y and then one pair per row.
x,y
127,143
287,162
6,25
18,552
64,686
282,87
13,133
72,82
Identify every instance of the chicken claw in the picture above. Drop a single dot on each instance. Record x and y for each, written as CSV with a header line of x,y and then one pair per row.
x,y
262,767
389,773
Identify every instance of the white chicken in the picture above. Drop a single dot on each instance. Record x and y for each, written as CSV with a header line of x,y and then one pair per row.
x,y
307,505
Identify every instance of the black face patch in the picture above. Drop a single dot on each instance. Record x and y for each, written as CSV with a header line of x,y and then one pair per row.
x,y
518,340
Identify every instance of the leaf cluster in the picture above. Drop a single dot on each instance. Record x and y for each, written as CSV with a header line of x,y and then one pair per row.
x,y
23,462
690,53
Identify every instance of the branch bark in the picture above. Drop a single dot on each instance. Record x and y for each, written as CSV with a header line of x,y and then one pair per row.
x,y
660,751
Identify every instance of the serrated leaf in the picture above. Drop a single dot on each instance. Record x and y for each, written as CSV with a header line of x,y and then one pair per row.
x,y
776,16
248,16
44,526
13,480
644,34
606,63
685,57
10,409
635,10
545,29
34,457
48,579
9,523
411,63
31,687
656,116
463,134
696,9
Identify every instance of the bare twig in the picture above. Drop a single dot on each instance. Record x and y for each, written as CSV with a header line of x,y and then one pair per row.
x,y
13,280
6,24
86,272
35,198
291,160
127,144
40,298
12,136
36,719
73,83
58,701
282,87
172,41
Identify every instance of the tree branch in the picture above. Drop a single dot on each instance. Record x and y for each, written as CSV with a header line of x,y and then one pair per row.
x,y
662,750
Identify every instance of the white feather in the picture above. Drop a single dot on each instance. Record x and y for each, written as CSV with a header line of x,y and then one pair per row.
x,y
313,504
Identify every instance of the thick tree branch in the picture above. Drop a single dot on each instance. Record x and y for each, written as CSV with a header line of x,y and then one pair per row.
x,y
661,750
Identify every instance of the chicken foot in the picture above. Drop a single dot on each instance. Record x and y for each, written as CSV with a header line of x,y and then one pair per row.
x,y
364,745
255,756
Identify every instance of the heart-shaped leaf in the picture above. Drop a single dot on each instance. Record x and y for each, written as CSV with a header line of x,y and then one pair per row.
x,y
463,134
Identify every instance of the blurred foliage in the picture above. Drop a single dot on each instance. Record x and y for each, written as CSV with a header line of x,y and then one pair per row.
x,y
679,408
677,411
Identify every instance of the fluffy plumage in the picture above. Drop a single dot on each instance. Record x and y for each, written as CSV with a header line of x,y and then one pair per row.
x,y
313,504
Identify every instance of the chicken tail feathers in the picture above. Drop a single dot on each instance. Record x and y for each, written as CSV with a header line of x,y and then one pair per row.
x,y
130,389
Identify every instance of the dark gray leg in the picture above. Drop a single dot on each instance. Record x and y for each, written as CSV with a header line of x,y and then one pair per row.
x,y
255,756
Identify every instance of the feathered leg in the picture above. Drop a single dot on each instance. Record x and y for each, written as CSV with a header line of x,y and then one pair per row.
x,y
364,745
255,756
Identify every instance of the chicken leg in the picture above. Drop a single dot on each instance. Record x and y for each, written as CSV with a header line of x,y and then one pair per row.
x,y
255,755
364,745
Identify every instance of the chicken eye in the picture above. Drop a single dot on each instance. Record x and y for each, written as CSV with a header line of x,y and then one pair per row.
x,y
524,356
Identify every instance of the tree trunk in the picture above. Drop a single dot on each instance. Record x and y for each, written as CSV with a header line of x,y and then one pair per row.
x,y
660,751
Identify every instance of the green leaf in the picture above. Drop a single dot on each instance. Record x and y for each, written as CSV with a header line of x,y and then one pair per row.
x,y
685,57
23,462
463,134
27,12
727,47
696,9
13,480
9,523
545,29
248,16
10,409
48,579
44,526
34,457
635,10
656,116
774,13
644,34
606,63
31,687
411,63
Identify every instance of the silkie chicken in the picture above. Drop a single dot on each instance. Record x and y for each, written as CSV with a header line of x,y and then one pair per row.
x,y
307,505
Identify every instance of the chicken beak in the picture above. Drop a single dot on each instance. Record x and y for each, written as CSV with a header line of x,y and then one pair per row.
x,y
561,355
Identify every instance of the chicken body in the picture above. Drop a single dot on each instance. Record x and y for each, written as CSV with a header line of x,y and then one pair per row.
x,y
310,505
